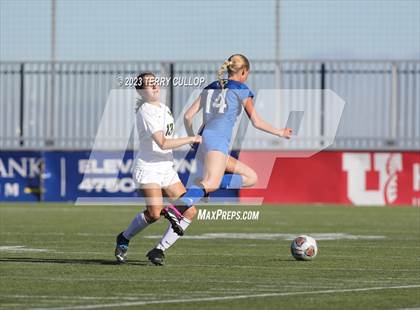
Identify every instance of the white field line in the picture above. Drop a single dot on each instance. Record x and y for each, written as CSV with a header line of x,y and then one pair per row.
x,y
234,297
58,297
20,248
275,236
213,236
98,279
243,236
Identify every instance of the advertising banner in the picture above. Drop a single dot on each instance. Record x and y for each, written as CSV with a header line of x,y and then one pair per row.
x,y
20,174
358,178
69,175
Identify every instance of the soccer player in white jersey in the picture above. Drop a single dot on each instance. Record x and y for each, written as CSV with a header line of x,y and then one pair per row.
x,y
154,172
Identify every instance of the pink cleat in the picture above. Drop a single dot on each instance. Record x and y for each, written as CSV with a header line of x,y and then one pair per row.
x,y
174,217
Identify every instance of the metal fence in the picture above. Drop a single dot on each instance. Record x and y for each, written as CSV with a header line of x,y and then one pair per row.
x,y
59,105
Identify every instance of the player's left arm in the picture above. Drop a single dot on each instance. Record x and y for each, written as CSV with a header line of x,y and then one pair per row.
x,y
261,124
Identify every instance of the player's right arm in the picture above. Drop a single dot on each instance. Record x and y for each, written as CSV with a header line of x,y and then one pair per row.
x,y
189,115
167,144
152,124
261,124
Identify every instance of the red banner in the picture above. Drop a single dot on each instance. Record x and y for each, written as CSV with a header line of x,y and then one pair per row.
x,y
359,178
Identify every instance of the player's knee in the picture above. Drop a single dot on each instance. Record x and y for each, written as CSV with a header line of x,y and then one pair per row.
x,y
190,213
207,185
152,215
210,186
252,178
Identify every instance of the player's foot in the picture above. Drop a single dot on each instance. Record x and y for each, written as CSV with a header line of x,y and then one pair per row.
x,y
174,217
156,257
121,248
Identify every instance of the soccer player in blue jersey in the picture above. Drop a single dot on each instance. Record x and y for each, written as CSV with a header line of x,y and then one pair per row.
x,y
222,102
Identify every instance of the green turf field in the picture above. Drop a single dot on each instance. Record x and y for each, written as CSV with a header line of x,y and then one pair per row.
x,y
61,257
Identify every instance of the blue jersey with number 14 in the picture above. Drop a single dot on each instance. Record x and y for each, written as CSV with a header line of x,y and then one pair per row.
x,y
221,108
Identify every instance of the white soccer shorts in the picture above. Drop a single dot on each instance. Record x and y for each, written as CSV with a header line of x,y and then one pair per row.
x,y
162,177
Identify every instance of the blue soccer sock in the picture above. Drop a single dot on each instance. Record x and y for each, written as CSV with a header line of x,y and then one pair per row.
x,y
189,198
231,181
193,195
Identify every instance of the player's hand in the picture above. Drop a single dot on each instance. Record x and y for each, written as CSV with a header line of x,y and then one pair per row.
x,y
197,139
285,133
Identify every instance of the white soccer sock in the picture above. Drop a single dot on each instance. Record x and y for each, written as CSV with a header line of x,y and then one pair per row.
x,y
169,238
137,224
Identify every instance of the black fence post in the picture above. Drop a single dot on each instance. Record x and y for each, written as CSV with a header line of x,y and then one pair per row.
x,y
322,124
21,102
171,86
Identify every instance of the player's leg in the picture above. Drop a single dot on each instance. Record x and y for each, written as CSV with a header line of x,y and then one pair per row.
x,y
156,255
176,190
154,204
214,169
238,175
215,164
169,180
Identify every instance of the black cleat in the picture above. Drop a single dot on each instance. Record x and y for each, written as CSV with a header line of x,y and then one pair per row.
x,y
156,257
121,248
174,217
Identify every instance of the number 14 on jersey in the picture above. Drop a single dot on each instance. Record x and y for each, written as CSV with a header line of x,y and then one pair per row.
x,y
218,104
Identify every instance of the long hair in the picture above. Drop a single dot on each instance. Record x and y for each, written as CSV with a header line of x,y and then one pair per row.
x,y
233,64
139,85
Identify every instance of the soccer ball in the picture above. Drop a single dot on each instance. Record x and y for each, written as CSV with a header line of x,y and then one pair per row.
x,y
304,248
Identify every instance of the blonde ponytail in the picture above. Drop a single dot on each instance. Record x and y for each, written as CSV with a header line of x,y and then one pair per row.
x,y
232,65
222,71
